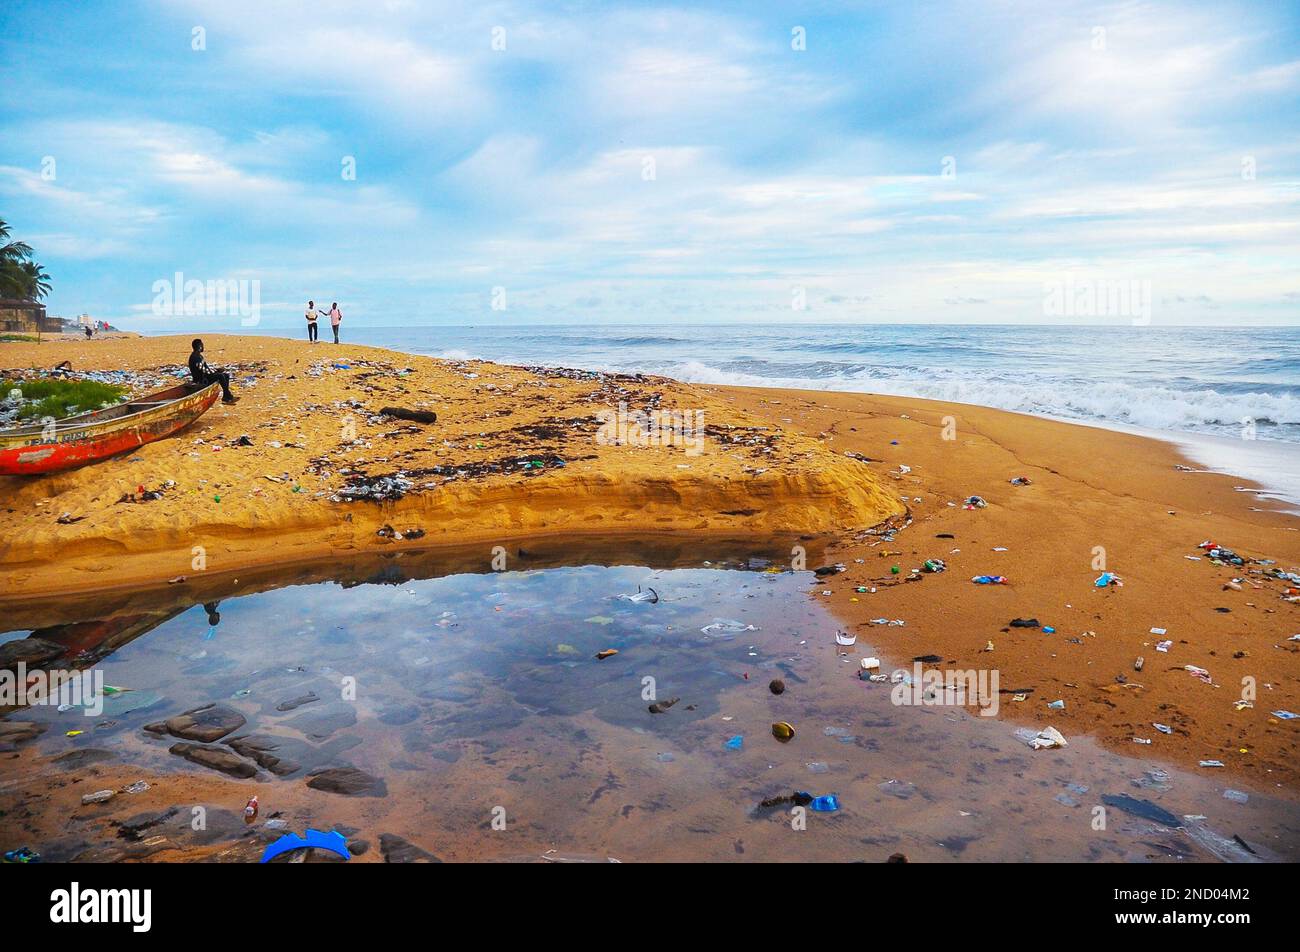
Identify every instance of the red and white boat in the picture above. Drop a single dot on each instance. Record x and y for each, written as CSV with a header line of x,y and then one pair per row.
x,y
89,437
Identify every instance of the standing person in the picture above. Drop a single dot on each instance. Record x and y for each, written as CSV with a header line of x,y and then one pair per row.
x,y
336,318
204,375
311,321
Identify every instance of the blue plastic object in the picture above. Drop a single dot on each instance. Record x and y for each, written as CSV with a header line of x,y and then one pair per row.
x,y
315,839
827,804
735,743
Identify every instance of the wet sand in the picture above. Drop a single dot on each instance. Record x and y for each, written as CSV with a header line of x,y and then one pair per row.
x,y
1094,494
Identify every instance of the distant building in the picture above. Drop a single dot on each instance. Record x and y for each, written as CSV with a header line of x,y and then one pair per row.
x,y
24,317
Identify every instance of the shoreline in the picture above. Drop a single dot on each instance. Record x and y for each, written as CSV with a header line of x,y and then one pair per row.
x,y
1272,465
1091,487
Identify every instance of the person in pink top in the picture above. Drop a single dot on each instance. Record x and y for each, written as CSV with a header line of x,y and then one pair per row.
x,y
336,318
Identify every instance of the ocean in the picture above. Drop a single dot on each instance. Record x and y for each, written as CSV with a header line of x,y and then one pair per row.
x,y
1229,396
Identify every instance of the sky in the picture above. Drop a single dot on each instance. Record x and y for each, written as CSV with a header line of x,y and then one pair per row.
x,y
471,163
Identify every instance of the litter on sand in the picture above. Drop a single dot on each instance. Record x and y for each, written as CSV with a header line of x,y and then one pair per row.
x,y
1040,740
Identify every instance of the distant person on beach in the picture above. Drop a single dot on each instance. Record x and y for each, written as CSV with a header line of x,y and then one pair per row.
x,y
204,374
311,321
336,318
89,332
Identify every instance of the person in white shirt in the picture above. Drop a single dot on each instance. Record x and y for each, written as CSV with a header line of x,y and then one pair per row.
x,y
311,321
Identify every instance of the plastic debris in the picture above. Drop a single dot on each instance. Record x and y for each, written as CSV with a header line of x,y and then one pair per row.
x,y
990,580
844,639
607,653
1141,808
735,743
1040,740
649,595
315,839
726,624
1108,578
1200,673
827,804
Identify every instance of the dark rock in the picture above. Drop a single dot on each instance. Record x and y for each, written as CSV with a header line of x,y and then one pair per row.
x,y
28,651
349,782
1024,623
218,758
398,850
777,686
135,827
297,702
205,724
659,707
262,748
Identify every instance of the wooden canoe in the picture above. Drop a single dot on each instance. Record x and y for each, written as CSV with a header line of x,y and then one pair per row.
x,y
89,437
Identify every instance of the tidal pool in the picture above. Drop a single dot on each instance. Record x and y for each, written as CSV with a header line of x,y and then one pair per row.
x,y
477,702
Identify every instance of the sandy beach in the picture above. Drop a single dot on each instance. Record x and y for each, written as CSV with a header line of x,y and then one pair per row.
x,y
829,472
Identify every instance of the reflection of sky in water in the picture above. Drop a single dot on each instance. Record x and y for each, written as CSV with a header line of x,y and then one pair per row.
x,y
474,691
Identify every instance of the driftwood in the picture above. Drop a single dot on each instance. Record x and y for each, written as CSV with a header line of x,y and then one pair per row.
x,y
415,416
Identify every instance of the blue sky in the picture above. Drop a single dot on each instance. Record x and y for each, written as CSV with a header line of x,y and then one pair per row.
x,y
1087,142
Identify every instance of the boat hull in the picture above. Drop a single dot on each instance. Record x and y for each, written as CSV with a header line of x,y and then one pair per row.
x,y
91,439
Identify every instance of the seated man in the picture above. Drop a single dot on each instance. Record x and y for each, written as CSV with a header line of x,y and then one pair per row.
x,y
204,375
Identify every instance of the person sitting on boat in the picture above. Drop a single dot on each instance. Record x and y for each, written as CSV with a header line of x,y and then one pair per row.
x,y
203,374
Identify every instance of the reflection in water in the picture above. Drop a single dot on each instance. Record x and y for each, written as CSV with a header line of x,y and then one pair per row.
x,y
475,697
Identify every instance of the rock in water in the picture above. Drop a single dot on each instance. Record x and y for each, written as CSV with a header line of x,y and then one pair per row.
x,y
398,850
204,724
217,758
348,781
29,651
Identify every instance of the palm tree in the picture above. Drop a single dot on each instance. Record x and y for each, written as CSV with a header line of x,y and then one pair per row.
x,y
20,276
36,281
12,250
